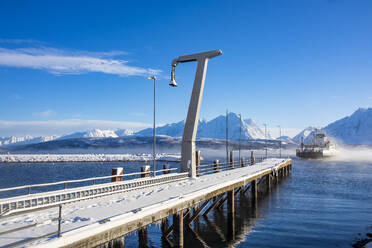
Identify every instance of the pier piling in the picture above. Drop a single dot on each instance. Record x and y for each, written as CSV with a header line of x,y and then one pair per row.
x,y
254,189
197,162
268,178
215,165
145,171
142,237
117,172
231,159
253,160
178,230
231,214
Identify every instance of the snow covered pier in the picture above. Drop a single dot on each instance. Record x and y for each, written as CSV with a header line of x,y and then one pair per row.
x,y
94,215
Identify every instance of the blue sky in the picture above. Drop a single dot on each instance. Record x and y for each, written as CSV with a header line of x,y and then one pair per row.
x,y
68,65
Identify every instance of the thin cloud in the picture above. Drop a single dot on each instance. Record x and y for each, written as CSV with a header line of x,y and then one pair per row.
x,y
20,41
62,62
60,127
45,113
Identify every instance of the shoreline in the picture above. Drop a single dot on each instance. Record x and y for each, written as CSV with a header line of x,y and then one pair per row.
x,y
69,158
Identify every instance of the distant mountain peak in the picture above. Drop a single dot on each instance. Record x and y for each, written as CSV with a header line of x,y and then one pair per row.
x,y
355,129
303,135
215,128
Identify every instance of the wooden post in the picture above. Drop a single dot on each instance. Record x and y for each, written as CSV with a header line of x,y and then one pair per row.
x,y
269,182
164,225
119,242
197,162
145,171
254,193
166,169
142,237
253,160
178,229
117,172
231,159
216,166
111,244
242,162
276,177
231,214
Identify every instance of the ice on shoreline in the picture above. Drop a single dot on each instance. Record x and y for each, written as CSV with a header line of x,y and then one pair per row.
x,y
39,158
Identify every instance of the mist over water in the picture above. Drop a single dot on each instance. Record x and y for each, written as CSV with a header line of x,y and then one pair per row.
x,y
350,154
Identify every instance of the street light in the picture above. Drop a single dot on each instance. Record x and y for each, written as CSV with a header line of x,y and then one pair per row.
x,y
280,141
173,77
154,128
188,159
265,140
240,134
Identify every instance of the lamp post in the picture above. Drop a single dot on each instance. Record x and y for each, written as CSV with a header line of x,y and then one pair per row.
x,y
188,158
227,136
280,141
154,128
265,140
240,134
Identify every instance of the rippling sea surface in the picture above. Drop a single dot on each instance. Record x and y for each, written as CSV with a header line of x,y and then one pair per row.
x,y
322,204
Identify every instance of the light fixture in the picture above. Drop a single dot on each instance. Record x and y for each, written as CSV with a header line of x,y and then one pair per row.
x,y
173,77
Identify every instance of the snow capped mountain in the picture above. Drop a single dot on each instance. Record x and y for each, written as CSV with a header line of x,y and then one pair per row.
x,y
25,140
285,140
95,133
255,131
215,128
173,130
355,129
305,134
12,140
124,132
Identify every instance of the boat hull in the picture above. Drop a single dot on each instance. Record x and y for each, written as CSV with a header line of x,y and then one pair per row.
x,y
314,154
309,154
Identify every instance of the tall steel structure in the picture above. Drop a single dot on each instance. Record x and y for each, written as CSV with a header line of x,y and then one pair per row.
x,y
192,120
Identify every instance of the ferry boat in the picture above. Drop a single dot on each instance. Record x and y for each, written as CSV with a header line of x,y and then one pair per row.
x,y
320,148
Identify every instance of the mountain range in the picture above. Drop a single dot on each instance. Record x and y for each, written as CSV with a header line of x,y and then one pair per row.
x,y
355,129
215,128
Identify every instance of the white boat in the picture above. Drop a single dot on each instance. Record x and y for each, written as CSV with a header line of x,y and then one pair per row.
x,y
320,148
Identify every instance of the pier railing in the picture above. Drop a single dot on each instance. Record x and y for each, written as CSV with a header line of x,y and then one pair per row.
x,y
210,167
66,183
33,201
